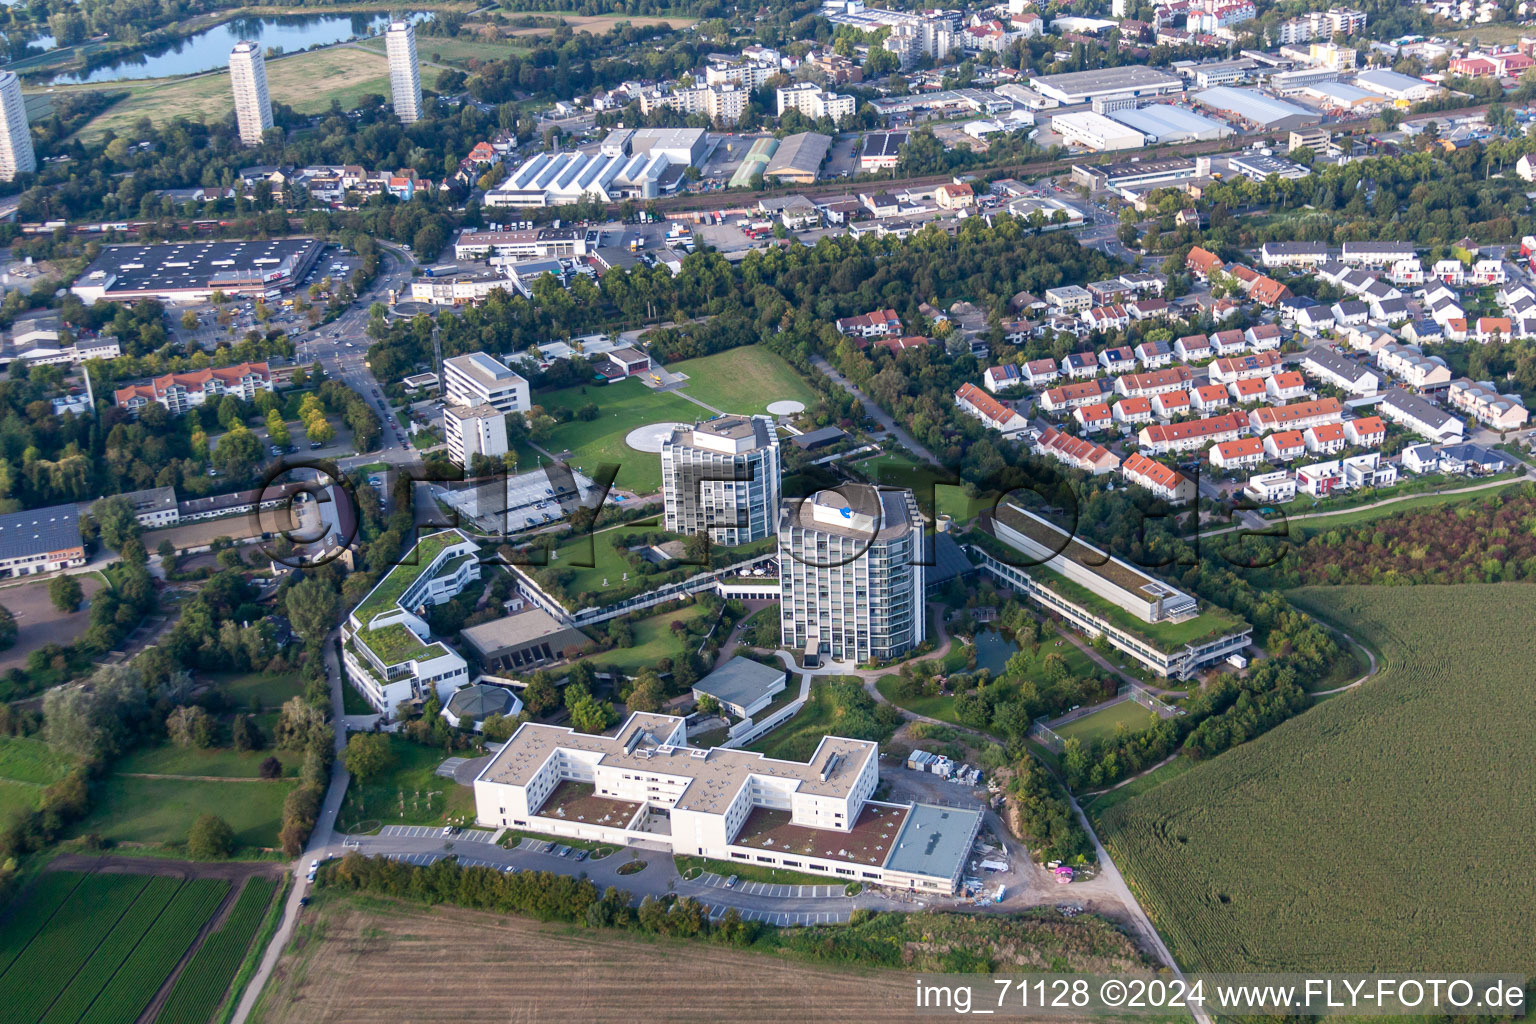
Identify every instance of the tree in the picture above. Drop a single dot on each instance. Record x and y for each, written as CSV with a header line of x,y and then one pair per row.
x,y
270,768
65,593
298,722
210,838
708,705
190,727
117,520
648,692
368,755
277,429
311,605
8,629
238,453
245,734
189,318
539,695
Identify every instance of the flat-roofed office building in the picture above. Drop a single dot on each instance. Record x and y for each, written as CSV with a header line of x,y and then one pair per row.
x,y
851,573
480,379
722,477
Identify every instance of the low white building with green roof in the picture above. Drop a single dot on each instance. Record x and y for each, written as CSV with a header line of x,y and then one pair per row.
x,y
387,646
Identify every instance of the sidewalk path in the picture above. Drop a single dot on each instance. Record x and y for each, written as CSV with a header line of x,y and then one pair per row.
x,y
321,843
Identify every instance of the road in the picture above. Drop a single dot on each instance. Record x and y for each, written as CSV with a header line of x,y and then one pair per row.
x,y
321,842
879,415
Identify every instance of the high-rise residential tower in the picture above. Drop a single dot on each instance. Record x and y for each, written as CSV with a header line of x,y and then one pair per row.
x,y
16,155
850,574
722,476
404,73
253,107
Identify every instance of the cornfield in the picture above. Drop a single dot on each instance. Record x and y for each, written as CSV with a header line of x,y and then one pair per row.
x,y
96,948
201,986
1386,829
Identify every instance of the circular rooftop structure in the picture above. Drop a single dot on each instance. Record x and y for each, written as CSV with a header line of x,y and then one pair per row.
x,y
787,407
649,437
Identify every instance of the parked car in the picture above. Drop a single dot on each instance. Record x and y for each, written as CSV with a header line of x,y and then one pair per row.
x,y
730,883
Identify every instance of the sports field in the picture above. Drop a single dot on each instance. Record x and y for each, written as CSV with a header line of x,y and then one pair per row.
x,y
622,406
743,380
1101,725
98,948
1385,829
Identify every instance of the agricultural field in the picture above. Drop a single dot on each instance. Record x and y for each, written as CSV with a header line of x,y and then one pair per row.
x,y
307,82
98,948
409,794
344,967
622,406
744,380
1344,838
160,811
206,979
1101,725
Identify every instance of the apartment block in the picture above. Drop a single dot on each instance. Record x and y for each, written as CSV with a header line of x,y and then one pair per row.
x,y
721,477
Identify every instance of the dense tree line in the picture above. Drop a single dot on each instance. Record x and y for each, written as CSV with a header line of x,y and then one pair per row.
x,y
1488,540
1431,197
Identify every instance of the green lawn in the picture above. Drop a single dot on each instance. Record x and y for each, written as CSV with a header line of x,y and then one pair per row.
x,y
224,762
689,866
24,759
160,811
1101,725
623,406
307,82
593,559
936,489
410,794
744,380
441,50
253,690
797,738
1097,805
654,640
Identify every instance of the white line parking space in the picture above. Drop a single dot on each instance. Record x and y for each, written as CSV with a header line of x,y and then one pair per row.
x,y
448,767
783,920
471,835
419,859
775,891
411,831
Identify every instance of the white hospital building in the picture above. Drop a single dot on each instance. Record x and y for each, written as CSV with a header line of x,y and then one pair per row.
x,y
646,785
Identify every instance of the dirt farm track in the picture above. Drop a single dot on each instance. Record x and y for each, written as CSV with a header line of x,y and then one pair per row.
x,y
375,963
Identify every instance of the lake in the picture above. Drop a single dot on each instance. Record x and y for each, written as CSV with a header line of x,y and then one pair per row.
x,y
209,50
993,651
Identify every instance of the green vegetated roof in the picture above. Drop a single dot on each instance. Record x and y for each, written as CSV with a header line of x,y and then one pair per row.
x,y
395,644
395,583
1168,636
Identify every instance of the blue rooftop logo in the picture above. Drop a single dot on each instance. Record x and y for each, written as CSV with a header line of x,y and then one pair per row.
x,y
847,511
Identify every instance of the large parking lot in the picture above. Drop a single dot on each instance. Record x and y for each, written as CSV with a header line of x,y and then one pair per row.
x,y
39,622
